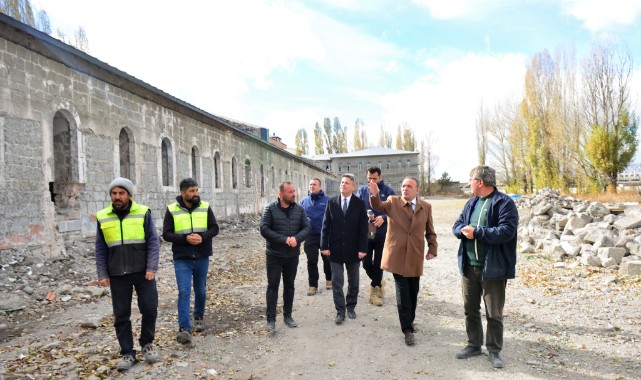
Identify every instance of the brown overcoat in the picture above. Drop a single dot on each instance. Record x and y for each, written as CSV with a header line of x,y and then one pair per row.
x,y
407,232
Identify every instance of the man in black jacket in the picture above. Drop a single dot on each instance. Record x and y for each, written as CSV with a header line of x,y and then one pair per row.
x,y
190,225
285,226
344,240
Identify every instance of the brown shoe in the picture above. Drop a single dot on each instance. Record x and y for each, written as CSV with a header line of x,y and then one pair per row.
x,y
312,290
409,338
328,284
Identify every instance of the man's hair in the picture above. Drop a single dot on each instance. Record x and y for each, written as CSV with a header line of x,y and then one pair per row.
x,y
316,179
485,173
413,179
187,183
350,176
281,188
374,169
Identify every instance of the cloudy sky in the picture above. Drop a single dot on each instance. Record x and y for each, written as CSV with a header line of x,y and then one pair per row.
x,y
285,65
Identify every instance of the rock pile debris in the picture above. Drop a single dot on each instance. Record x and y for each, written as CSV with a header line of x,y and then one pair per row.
x,y
579,232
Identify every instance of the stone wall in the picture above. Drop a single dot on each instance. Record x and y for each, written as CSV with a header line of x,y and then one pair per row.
x,y
70,124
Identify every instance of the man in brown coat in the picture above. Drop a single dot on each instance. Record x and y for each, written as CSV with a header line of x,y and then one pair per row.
x,y
409,226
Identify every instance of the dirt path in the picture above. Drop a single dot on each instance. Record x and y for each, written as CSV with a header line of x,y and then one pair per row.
x,y
574,324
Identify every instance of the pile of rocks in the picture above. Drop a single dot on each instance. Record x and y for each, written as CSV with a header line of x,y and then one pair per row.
x,y
569,229
28,277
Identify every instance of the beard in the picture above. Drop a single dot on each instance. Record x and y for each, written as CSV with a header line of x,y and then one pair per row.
x,y
194,200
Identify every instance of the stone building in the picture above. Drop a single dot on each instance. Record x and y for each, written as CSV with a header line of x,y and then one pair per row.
x,y
70,123
395,165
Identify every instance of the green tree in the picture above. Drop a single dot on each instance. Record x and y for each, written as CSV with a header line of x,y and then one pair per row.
x,y
445,180
340,137
611,151
327,127
399,138
302,145
318,140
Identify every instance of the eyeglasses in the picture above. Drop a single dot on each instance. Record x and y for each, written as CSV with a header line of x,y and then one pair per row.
x,y
473,180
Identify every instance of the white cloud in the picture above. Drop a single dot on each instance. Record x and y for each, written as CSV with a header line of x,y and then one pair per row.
x,y
598,15
447,103
451,9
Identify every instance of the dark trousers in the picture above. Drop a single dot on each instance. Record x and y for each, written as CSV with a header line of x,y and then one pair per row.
x,y
338,280
372,262
277,267
406,298
311,247
493,293
121,295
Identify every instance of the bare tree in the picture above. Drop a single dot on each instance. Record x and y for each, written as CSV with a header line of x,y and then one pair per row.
x,y
482,130
607,73
385,139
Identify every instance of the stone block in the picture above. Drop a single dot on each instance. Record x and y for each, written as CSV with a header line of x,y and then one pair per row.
x,y
590,260
628,222
542,208
631,268
611,252
574,223
604,241
597,210
570,249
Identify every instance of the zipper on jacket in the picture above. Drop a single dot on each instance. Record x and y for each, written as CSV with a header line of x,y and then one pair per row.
x,y
122,243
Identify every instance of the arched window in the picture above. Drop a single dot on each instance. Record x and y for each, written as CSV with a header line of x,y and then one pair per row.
x,y
217,170
262,181
273,177
166,158
389,165
127,160
195,163
234,174
248,173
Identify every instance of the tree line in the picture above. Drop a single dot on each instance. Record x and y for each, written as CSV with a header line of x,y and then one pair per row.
x,y
23,11
574,126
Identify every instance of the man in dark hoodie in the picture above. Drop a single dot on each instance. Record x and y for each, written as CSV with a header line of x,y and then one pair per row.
x,y
372,262
314,205
284,226
190,225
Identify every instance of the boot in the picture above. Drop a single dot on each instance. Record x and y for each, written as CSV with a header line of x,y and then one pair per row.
x,y
381,290
379,294
373,297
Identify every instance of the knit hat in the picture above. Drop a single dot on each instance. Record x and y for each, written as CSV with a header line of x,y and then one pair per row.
x,y
124,183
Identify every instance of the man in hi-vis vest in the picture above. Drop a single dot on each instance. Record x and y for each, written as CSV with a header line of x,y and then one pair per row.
x,y
190,225
127,254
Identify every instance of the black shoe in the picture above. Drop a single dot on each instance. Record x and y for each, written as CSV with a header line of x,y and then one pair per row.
x,y
351,314
289,321
339,318
270,326
409,338
468,352
496,360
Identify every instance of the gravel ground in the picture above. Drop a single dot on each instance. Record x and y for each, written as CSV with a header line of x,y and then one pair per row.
x,y
573,323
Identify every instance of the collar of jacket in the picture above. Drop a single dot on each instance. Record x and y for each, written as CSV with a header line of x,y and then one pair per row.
x,y
318,196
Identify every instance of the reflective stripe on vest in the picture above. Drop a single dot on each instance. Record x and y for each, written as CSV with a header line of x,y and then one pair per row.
x,y
131,230
186,222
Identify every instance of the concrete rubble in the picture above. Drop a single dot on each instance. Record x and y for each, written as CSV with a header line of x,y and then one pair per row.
x,y
576,231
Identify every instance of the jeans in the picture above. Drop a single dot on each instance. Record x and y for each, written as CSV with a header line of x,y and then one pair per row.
x,y
493,293
311,247
406,299
121,295
372,262
277,266
186,270
340,301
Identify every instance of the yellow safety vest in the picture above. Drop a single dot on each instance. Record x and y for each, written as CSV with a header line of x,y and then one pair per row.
x,y
129,230
186,222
